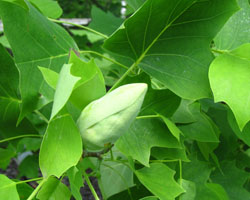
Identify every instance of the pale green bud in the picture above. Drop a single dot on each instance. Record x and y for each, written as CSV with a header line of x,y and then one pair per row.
x,y
106,119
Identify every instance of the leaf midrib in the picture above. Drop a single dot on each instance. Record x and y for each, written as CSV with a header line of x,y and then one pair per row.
x,y
159,35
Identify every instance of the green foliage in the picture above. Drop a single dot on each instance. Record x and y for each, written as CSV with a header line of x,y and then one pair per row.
x,y
156,104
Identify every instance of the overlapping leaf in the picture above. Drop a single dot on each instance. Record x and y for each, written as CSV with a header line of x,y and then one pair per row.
x,y
170,41
35,41
229,78
142,136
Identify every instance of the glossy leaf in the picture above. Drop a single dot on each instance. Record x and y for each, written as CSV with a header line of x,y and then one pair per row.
x,y
236,31
61,147
171,44
35,41
159,179
229,78
8,189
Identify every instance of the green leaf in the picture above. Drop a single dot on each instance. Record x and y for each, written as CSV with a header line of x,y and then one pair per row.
x,y
8,189
5,157
64,88
190,190
29,167
229,78
218,191
9,99
236,31
91,86
53,189
244,134
149,198
61,147
24,190
232,180
99,18
163,102
175,50
76,182
49,8
118,174
172,127
203,130
135,4
159,179
35,41
50,76
144,134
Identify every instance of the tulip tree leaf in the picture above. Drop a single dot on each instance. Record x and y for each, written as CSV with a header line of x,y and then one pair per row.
x,y
64,88
61,147
135,4
117,173
54,189
35,41
76,182
244,134
159,179
49,8
99,18
144,134
80,82
50,76
8,189
175,50
9,99
229,78
232,180
236,31
203,129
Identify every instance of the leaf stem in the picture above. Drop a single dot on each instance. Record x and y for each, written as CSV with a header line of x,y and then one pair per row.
x,y
19,136
42,116
33,194
123,77
219,51
79,26
109,59
90,185
30,180
147,116
180,166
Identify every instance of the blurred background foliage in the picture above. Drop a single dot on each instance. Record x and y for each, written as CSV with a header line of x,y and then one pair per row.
x,y
82,8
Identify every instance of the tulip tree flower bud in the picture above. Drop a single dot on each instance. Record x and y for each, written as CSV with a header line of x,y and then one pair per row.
x,y
106,119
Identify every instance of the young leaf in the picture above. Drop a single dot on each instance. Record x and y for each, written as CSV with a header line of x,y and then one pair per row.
x,y
54,189
229,78
142,136
61,147
35,41
171,44
64,88
8,189
236,31
50,76
159,179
